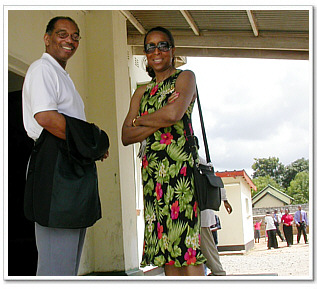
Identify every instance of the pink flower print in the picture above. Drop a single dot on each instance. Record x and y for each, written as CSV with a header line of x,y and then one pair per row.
x,y
195,208
170,263
166,138
159,191
190,256
144,113
175,210
145,162
154,90
159,231
184,171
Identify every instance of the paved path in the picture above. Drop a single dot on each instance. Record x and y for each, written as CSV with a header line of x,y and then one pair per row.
x,y
285,261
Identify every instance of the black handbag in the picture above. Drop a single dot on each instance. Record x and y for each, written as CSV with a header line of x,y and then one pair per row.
x,y
207,184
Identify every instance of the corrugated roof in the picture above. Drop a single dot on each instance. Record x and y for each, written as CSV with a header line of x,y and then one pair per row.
x,y
228,33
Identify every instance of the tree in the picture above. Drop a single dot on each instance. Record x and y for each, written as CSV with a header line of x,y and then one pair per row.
x,y
268,167
263,182
299,188
300,165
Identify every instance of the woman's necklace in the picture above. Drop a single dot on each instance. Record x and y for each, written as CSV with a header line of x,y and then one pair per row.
x,y
170,72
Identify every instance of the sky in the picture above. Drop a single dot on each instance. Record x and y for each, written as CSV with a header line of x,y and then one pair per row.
x,y
253,108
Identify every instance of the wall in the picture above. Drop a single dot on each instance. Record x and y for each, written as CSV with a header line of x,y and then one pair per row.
x,y
237,228
231,233
246,202
99,71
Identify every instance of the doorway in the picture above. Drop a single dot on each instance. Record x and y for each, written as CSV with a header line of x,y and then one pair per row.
x,y
22,252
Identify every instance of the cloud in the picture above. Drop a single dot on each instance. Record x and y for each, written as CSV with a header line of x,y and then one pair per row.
x,y
253,109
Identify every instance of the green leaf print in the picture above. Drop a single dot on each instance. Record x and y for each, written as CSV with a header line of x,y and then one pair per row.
x,y
176,231
162,243
176,153
189,212
167,129
165,210
183,187
159,261
157,135
152,160
181,141
159,209
149,188
177,263
173,171
145,174
179,127
157,146
179,165
191,160
169,222
168,196
176,251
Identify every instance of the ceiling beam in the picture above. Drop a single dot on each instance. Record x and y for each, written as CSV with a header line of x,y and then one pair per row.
x,y
252,22
234,53
133,21
190,21
232,40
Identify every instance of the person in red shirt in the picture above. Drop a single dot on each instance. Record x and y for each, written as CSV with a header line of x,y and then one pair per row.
x,y
287,221
257,227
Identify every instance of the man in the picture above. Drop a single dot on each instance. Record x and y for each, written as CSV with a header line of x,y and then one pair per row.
x,y
61,194
301,222
208,245
277,221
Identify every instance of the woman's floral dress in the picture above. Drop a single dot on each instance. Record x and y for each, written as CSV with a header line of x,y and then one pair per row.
x,y
172,217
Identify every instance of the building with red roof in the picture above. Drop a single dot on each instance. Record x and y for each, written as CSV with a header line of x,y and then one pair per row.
x,y
237,228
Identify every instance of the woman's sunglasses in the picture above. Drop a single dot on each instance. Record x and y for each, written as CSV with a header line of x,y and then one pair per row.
x,y
163,46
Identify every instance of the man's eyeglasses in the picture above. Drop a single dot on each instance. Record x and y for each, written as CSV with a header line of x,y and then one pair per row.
x,y
64,35
163,46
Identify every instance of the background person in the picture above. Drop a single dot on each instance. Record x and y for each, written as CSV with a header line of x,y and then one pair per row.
x,y
61,194
287,221
208,245
301,221
271,231
172,225
277,221
257,232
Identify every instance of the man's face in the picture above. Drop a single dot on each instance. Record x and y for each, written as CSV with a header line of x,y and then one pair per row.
x,y
62,48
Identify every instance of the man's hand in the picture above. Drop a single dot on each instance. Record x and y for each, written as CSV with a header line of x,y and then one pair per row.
x,y
228,207
105,156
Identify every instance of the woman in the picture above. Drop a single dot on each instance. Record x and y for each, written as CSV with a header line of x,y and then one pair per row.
x,y
155,117
287,221
271,231
257,232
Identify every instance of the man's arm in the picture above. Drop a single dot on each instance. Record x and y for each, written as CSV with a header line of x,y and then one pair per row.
x,y
52,121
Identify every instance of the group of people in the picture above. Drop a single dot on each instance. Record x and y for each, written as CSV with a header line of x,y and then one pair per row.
x,y
272,222
62,190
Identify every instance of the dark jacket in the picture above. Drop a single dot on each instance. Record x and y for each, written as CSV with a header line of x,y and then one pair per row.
x,y
62,185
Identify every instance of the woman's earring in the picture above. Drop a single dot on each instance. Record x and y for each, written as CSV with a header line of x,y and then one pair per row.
x,y
144,63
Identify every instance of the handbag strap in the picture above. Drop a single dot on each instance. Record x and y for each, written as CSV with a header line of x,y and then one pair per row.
x,y
203,129
191,138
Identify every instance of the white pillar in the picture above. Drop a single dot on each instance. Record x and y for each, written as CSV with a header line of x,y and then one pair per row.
x,y
114,240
